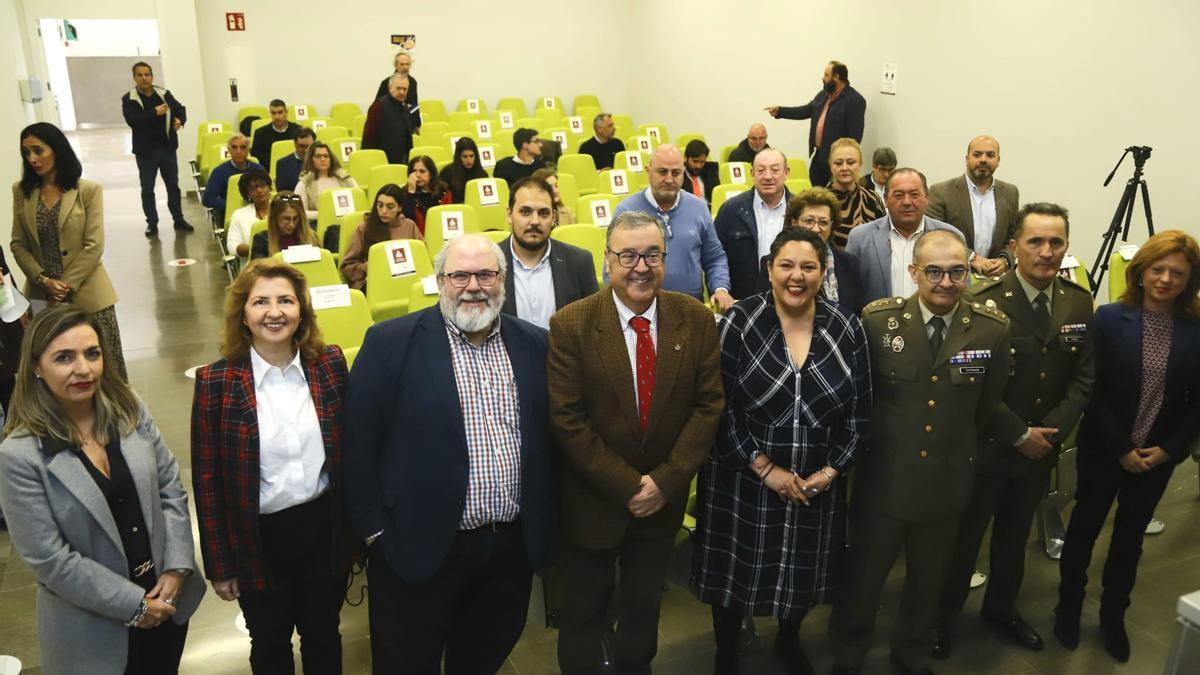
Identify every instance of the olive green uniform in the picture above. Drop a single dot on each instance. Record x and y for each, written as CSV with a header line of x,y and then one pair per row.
x,y
915,481
1051,382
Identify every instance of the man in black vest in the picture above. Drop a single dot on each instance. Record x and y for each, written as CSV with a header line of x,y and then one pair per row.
x,y
155,119
389,125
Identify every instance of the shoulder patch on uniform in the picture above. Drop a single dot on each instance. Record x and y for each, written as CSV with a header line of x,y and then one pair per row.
x,y
985,286
884,303
1073,285
990,312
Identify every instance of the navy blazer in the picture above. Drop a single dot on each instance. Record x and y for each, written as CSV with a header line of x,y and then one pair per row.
x,y
287,172
871,249
405,443
738,231
1107,424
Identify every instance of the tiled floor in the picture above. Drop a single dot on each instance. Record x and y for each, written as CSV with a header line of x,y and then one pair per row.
x,y
170,318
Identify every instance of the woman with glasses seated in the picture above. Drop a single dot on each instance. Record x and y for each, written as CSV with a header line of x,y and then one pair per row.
x,y
255,186
858,204
321,171
423,191
286,227
815,209
384,222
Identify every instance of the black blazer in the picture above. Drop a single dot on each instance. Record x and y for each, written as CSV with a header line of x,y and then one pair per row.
x,y
573,271
845,270
845,119
150,131
1107,424
412,99
405,444
711,176
738,232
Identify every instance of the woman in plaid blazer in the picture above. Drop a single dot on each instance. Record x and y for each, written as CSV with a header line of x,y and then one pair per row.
x,y
266,470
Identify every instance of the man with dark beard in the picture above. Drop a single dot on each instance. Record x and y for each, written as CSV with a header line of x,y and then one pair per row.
x,y
448,471
545,275
837,111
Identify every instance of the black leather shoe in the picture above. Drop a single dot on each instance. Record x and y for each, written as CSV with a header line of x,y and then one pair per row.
x,y
151,231
725,662
1019,631
941,643
791,653
1116,640
907,669
1066,626
846,670
184,226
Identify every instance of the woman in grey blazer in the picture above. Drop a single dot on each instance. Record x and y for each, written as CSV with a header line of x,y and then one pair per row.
x,y
95,508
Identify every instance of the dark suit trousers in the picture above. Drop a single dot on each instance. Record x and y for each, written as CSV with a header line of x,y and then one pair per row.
x,y
156,651
876,542
304,595
818,168
589,580
1101,481
150,164
473,608
1010,494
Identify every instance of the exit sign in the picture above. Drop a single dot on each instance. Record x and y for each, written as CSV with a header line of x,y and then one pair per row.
x,y
235,21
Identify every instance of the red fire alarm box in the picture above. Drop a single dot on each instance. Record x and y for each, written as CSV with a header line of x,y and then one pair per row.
x,y
235,21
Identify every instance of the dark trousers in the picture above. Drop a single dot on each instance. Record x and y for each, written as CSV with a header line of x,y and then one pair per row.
x,y
156,651
727,627
818,168
589,579
150,164
472,609
305,593
1010,496
1101,481
876,542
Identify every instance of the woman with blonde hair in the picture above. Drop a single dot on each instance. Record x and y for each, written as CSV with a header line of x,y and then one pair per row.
x,y
858,204
267,471
286,227
321,171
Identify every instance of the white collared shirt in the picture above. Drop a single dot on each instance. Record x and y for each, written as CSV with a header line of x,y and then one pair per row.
x,y
624,314
769,220
902,254
291,450
534,288
927,314
983,212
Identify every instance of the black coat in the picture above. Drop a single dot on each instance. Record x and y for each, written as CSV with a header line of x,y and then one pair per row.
x,y
845,119
737,230
413,101
709,175
389,128
151,131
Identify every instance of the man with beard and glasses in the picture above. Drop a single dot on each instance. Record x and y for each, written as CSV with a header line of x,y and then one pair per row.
x,y
983,208
545,275
838,111
448,471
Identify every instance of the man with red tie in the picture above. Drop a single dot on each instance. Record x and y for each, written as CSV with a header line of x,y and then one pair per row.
x,y
702,175
634,378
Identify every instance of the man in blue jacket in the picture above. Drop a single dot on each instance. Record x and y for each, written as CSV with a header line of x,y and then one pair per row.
x,y
215,190
155,119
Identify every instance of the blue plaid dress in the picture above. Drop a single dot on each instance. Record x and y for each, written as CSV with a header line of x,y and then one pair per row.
x,y
755,553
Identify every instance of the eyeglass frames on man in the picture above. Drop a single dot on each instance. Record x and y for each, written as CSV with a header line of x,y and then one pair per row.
x,y
485,278
935,274
631,258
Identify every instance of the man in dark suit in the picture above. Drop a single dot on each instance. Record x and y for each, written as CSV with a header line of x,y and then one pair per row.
x,y
402,65
280,129
545,275
958,199
939,365
1050,384
155,119
635,399
748,223
390,124
287,168
754,143
837,111
448,471
702,175
883,163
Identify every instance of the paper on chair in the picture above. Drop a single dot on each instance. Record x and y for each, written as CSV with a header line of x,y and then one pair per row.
x,y
487,156
488,195
618,181
506,120
644,144
561,137
343,201
429,285
14,304
301,112
483,129
600,212
737,174
1127,251
399,258
301,253
318,125
328,297
452,224
348,148
634,161
215,128
575,124
1069,262
549,102
472,105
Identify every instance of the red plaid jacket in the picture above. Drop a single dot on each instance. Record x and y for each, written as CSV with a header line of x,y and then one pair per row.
x,y
225,466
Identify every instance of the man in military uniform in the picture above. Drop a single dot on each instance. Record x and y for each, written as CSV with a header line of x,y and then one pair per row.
x,y
1050,385
939,365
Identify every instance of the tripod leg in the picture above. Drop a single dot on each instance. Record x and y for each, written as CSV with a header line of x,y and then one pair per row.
x,y
1100,267
1146,205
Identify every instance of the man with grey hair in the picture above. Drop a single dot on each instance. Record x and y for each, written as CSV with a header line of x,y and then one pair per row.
x,y
215,190
604,146
448,471
635,399
749,147
883,163
390,123
402,64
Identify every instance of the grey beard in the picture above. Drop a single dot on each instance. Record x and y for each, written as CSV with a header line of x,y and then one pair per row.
x,y
472,321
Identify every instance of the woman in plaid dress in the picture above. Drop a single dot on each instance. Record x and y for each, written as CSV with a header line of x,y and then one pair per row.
x,y
772,510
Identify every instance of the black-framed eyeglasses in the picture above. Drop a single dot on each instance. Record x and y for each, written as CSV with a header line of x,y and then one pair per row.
x,y
460,279
630,259
935,274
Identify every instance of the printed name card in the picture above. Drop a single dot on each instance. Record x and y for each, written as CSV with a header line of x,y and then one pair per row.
x,y
348,148
343,202
318,125
737,174
399,258
655,133
618,181
561,137
301,253
483,129
328,297
506,120
487,156
576,125
452,225
549,103
1127,251
1069,262
215,128
473,105
301,113
224,152
633,161
488,195
453,142
429,285
600,214
644,144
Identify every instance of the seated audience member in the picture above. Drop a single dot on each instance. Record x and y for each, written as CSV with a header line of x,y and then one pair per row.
x,y
465,167
286,227
402,65
702,175
748,223
218,179
280,129
390,123
288,168
859,205
528,159
883,163
815,209
755,141
603,146
551,151
384,222
322,171
255,186
563,214
423,191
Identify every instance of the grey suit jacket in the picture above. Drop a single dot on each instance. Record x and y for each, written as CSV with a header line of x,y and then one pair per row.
x,y
869,245
949,201
571,267
64,530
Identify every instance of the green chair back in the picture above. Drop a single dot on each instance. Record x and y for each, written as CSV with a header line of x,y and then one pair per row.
x,y
462,122
332,132
583,168
722,193
279,150
438,153
549,103
568,188
259,111
343,114
480,110
233,197
323,272
432,110
588,211
624,125
388,296
255,229
798,185
726,151
437,218
735,173
491,216
590,100
346,326
587,237
327,210
360,163
798,167
418,299
682,140
514,103
383,174
654,130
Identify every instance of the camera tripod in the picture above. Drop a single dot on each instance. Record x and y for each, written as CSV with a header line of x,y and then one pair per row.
x,y
1124,215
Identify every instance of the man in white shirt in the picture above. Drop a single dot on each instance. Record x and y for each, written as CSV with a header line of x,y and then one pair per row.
x,y
748,223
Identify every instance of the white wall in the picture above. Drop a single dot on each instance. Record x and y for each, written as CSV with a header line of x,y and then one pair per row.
x,y
107,37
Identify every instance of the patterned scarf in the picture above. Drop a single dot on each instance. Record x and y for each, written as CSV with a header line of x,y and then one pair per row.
x,y
829,283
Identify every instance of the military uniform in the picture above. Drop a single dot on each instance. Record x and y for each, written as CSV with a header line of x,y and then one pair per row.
x,y
1051,382
914,483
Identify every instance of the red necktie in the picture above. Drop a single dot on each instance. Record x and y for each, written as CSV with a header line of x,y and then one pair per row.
x,y
645,367
696,189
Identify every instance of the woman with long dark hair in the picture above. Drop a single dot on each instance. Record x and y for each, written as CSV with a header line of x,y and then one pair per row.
x,y
384,222
465,167
423,191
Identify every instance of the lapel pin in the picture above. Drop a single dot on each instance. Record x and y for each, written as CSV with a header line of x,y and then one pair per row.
x,y
991,303
898,344
966,320
907,316
892,323
678,347
1008,294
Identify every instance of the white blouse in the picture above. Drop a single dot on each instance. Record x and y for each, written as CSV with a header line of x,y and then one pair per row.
x,y
291,450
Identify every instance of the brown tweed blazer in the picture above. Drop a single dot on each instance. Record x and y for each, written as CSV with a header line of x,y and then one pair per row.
x,y
594,417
